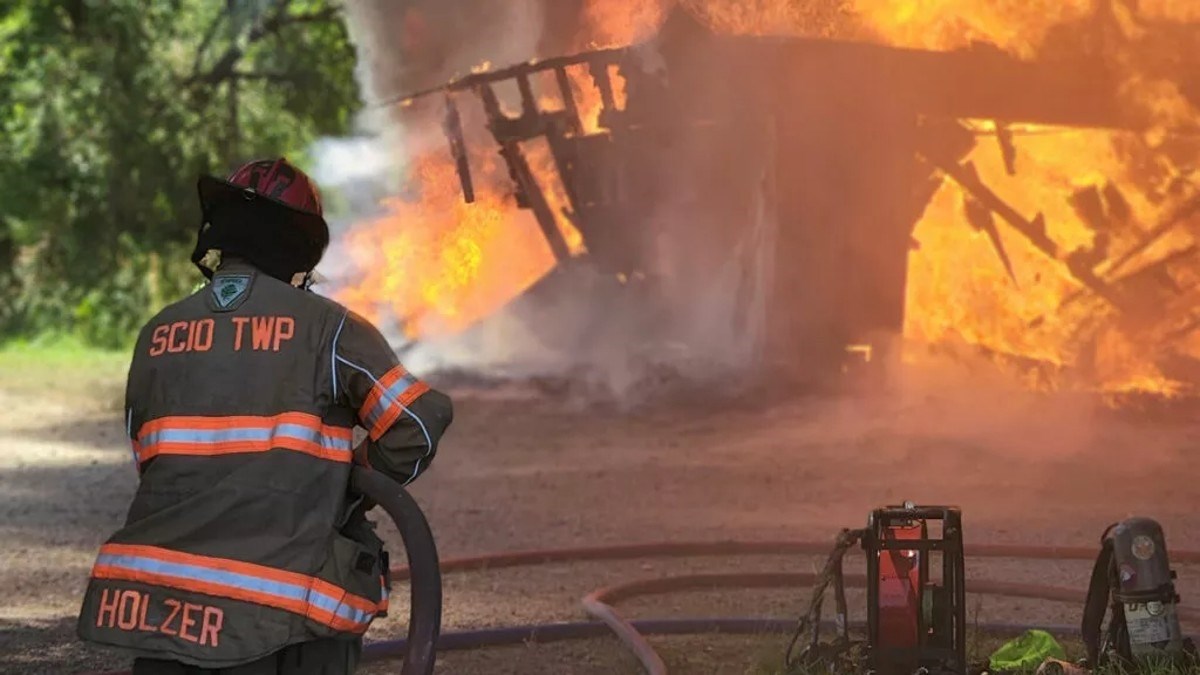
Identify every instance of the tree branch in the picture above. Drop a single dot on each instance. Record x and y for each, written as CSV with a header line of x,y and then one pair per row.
x,y
260,75
327,14
209,36
274,21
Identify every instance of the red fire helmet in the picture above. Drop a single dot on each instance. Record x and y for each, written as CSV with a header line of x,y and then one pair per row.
x,y
267,209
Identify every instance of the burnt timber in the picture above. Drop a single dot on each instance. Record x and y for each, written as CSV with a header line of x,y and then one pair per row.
x,y
846,142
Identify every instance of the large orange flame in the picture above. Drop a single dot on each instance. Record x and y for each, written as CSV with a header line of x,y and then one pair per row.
x,y
443,264
958,292
439,264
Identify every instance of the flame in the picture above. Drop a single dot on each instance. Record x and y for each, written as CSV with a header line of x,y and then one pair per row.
x,y
609,23
957,289
441,264
773,17
1017,26
438,264
434,264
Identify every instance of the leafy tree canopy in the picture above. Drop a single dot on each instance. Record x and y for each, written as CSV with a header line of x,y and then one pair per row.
x,y
110,109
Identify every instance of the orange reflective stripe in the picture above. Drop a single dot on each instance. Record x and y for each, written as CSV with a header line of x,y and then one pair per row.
x,y
384,596
387,400
225,422
208,436
377,390
301,594
238,447
389,417
216,590
211,562
196,586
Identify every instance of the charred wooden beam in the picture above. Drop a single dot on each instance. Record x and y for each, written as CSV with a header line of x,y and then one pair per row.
x,y
475,80
528,193
1088,205
496,119
452,127
1175,218
599,72
978,83
570,108
1008,149
1033,230
533,123
982,82
537,201
981,218
529,106
1158,271
565,156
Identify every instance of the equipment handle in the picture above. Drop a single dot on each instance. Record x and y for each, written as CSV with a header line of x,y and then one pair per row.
x,y
1096,605
425,581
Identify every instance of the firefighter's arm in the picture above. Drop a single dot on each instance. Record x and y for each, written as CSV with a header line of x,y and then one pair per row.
x,y
409,445
403,416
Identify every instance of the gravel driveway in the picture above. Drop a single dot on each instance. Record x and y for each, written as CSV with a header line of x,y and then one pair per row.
x,y
520,471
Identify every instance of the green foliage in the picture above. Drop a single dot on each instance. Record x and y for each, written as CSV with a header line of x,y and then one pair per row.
x,y
110,110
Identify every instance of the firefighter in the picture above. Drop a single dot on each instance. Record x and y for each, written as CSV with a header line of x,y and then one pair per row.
x,y
243,552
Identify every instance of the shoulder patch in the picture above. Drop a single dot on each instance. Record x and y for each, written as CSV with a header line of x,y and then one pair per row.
x,y
228,289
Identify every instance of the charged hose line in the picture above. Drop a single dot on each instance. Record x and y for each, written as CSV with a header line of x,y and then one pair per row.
x,y
550,633
599,603
425,594
729,548
633,632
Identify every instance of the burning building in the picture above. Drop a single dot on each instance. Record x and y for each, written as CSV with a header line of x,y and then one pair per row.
x,y
810,203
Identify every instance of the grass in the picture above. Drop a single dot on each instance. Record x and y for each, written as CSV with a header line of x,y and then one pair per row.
x,y
979,647
64,371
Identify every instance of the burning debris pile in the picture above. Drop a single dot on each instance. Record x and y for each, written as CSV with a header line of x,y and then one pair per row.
x,y
1013,181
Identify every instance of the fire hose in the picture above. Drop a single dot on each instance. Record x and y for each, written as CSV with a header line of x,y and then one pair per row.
x,y
424,573
425,591
599,603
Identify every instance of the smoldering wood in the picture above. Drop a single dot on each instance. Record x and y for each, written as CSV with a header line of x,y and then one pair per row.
x,y
529,106
981,218
452,127
1176,217
862,136
574,125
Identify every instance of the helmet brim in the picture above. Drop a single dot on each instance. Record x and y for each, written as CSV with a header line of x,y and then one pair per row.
x,y
214,191
308,232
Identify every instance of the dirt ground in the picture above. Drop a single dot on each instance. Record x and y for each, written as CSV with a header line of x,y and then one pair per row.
x,y
520,470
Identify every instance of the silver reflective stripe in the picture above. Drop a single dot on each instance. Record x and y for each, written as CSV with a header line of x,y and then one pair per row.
x,y
428,439
333,354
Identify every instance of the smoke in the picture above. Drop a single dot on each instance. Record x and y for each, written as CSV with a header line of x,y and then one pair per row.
x,y
696,316
627,340
403,46
406,45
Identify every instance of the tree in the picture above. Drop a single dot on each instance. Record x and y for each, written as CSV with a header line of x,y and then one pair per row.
x,y
109,110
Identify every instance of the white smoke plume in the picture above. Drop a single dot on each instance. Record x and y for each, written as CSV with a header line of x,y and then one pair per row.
x,y
357,173
591,329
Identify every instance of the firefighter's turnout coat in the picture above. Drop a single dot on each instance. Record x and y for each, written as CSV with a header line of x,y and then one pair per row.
x,y
242,538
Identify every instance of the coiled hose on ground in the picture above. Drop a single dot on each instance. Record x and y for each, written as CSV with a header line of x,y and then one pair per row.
x,y
424,572
599,603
